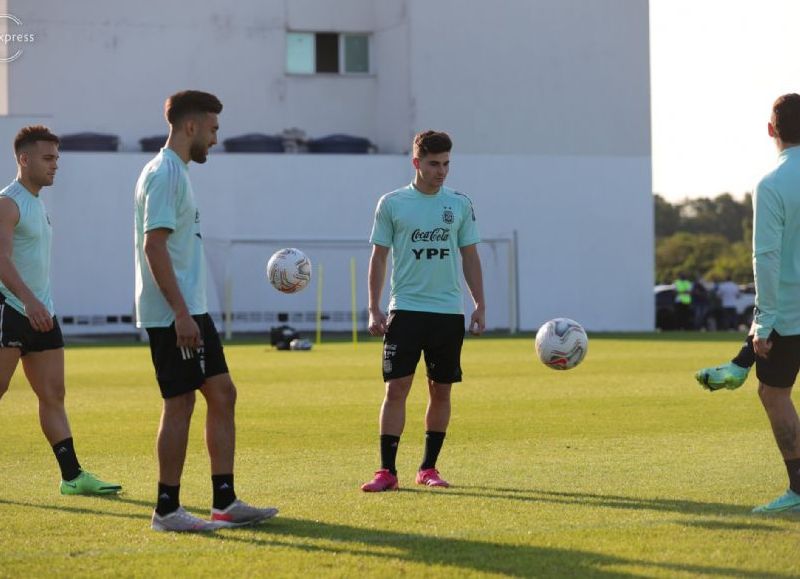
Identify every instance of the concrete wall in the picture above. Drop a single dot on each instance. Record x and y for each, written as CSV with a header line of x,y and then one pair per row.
x,y
509,77
547,101
580,245
94,68
534,76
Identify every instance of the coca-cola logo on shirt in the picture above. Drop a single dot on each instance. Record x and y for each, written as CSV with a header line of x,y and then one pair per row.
x,y
438,234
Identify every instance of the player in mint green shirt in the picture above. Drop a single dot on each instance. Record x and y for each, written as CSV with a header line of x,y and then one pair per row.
x,y
774,341
29,329
432,234
185,347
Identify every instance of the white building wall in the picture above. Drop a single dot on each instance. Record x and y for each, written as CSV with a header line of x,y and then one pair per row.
x,y
98,68
534,76
579,252
547,101
511,77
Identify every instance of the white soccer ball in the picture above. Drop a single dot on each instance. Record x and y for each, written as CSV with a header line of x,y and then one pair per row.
x,y
289,270
561,344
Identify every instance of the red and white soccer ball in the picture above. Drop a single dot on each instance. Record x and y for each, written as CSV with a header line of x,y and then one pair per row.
x,y
561,344
289,270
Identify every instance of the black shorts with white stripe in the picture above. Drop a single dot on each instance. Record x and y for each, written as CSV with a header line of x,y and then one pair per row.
x,y
182,370
16,332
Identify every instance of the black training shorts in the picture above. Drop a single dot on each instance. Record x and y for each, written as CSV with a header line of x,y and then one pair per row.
x,y
182,370
16,332
779,370
439,336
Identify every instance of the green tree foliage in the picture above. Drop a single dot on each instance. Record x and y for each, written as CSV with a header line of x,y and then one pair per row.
x,y
667,216
708,238
736,261
723,215
692,254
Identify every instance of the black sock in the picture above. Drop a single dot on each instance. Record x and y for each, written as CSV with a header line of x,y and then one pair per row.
x,y
67,461
433,444
168,499
747,355
222,485
389,444
793,468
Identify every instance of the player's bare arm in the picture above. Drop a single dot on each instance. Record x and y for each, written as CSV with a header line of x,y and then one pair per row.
x,y
376,277
160,264
37,312
473,275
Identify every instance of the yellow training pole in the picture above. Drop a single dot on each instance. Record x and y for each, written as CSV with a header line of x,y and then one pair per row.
x,y
353,299
319,304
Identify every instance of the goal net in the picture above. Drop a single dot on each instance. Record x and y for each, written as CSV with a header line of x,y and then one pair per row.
x,y
245,302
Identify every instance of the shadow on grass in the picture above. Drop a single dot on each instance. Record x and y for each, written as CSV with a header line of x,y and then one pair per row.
x,y
509,559
681,506
315,537
92,510
78,510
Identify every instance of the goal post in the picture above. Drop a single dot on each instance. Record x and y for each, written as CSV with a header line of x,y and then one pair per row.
x,y
245,302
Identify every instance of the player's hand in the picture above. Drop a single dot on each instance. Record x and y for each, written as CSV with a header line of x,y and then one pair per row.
x,y
478,322
377,323
38,315
188,331
762,346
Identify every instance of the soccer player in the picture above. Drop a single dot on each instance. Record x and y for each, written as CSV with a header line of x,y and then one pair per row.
x,y
776,265
426,225
28,327
171,305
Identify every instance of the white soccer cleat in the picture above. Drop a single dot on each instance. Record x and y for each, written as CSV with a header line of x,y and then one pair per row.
x,y
239,513
181,521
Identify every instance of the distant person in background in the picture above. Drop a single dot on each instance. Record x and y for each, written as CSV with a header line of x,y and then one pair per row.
x,y
171,304
700,304
683,302
728,293
776,324
29,329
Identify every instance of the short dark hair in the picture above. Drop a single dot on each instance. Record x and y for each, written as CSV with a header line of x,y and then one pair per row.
x,y
431,143
786,111
190,102
31,134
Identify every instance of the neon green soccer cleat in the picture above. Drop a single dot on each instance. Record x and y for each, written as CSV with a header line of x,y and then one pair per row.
x,y
790,501
728,376
88,484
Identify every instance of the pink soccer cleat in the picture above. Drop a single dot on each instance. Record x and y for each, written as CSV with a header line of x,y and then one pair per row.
x,y
430,477
383,481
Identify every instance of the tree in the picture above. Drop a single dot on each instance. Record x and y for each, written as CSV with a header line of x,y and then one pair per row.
x,y
735,262
722,215
704,237
693,255
667,217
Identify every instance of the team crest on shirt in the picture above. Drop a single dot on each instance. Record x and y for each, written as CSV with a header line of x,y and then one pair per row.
x,y
447,215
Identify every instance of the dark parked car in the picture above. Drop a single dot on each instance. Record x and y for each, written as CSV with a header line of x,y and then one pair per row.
x,y
665,308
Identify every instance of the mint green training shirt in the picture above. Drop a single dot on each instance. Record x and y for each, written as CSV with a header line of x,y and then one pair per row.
x,y
776,247
164,199
33,237
425,233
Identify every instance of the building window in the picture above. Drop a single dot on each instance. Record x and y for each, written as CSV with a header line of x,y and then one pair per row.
x,y
300,53
327,52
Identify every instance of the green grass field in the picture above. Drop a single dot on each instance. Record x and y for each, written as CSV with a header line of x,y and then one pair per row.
x,y
622,467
